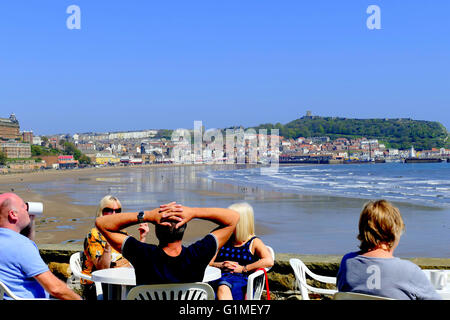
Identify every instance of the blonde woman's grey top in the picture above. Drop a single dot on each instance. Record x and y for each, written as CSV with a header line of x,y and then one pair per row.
x,y
386,277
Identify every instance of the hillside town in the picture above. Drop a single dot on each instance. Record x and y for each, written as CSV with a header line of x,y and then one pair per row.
x,y
150,147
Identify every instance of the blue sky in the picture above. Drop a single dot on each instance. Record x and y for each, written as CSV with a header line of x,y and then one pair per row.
x,y
163,64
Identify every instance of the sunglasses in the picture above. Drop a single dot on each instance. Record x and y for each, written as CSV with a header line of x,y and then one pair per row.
x,y
109,210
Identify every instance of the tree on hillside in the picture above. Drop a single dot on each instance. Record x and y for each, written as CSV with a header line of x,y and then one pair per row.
x,y
3,158
398,133
84,159
71,149
42,151
44,141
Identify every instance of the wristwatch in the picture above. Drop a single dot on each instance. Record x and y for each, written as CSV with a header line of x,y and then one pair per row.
x,y
140,216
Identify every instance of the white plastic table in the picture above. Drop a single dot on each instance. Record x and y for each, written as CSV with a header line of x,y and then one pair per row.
x,y
445,292
126,278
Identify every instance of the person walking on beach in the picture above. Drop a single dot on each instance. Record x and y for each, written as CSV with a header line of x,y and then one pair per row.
x,y
242,254
374,270
22,269
98,253
170,261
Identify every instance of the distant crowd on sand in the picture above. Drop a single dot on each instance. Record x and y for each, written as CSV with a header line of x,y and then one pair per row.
x,y
232,246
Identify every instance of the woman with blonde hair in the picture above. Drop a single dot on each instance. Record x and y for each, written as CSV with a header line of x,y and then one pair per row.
x,y
374,270
98,253
241,255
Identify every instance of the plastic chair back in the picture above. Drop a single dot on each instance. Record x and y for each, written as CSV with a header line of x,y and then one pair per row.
x,y
357,296
255,283
75,267
5,290
172,291
300,272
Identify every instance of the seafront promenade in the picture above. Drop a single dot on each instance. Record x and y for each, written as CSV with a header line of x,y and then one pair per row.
x,y
281,277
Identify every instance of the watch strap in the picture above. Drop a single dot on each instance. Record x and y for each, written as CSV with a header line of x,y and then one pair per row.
x,y
140,217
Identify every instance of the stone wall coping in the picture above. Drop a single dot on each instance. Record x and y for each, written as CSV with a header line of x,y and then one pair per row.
x,y
421,261
65,250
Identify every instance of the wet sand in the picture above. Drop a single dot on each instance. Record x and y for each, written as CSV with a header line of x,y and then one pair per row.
x,y
66,221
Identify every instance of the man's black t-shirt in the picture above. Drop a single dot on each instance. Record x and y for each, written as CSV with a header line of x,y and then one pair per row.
x,y
153,266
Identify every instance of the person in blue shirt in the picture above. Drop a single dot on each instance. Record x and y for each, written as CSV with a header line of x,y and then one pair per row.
x,y
22,269
374,270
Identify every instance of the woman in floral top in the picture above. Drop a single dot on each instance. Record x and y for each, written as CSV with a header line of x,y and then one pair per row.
x,y
98,253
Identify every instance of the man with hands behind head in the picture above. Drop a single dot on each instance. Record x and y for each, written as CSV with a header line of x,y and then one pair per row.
x,y
170,261
22,269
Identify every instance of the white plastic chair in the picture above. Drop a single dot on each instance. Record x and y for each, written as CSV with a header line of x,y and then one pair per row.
x,y
301,270
75,266
4,289
357,296
172,291
256,281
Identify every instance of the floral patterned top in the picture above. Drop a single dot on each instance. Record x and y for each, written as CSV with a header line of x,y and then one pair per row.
x,y
94,245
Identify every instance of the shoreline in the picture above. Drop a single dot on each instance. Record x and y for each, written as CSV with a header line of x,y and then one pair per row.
x,y
289,222
62,216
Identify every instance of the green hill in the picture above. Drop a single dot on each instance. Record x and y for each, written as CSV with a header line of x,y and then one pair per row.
x,y
395,133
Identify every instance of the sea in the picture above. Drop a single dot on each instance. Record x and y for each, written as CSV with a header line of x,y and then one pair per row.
x,y
421,183
322,218
303,209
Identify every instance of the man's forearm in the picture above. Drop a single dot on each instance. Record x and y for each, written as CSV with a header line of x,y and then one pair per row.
x,y
221,216
110,226
55,287
66,294
117,222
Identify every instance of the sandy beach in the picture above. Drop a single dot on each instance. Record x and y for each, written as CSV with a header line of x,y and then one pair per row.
x,y
63,220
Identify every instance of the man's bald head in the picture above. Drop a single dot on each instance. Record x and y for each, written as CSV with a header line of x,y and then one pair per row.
x,y
12,202
5,203
8,200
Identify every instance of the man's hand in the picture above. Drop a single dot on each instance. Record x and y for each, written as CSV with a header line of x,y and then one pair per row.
x,y
177,212
225,218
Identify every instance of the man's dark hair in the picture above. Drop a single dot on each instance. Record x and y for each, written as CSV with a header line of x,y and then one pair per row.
x,y
168,234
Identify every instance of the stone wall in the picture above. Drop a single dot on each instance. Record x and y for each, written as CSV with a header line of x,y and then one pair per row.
x,y
281,276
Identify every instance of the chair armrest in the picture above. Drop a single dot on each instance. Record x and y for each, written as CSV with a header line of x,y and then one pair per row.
x,y
331,280
85,277
325,279
255,275
251,281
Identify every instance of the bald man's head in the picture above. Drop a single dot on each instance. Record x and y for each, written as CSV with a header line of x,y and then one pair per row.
x,y
13,212
5,203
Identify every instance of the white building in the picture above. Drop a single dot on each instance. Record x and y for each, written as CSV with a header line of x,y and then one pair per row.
x,y
393,152
37,140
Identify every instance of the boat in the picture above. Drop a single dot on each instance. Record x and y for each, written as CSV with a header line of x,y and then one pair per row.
x,y
423,160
